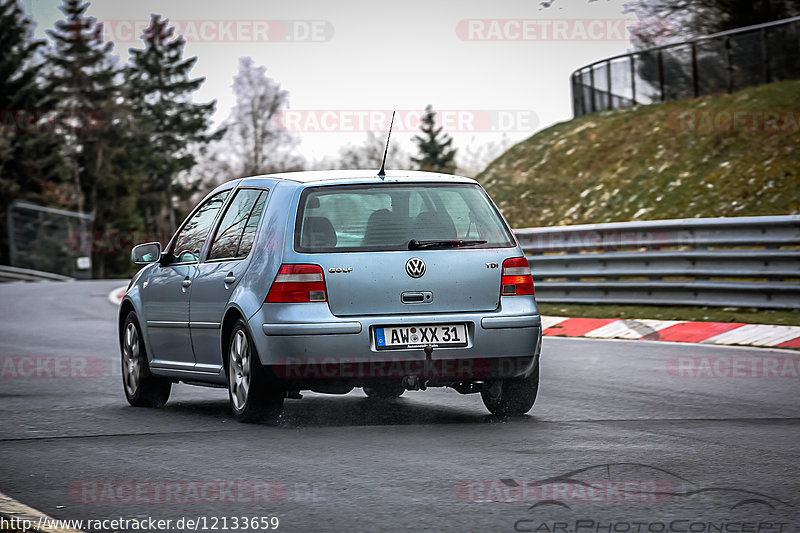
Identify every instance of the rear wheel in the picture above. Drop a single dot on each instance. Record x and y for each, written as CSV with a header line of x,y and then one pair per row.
x,y
385,391
513,396
251,396
142,388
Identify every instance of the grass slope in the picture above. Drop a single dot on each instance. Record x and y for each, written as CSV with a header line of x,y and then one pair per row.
x,y
636,164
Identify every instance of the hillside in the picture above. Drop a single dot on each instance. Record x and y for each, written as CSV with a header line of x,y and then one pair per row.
x,y
689,158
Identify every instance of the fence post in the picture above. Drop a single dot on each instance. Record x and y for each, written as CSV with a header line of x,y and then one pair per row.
x,y
577,97
591,84
695,80
728,57
762,33
10,228
633,80
608,83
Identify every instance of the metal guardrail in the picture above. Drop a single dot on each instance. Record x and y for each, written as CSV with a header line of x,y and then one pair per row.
x,y
9,273
736,262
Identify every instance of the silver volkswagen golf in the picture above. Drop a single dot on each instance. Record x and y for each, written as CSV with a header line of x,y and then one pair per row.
x,y
327,281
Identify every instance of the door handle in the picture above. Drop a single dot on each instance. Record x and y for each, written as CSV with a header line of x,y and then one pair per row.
x,y
230,278
185,283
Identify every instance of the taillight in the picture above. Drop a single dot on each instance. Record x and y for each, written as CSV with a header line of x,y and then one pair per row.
x,y
298,283
517,277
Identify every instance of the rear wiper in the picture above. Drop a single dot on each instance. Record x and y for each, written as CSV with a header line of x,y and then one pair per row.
x,y
455,243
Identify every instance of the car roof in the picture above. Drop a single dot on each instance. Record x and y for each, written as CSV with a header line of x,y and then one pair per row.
x,y
353,176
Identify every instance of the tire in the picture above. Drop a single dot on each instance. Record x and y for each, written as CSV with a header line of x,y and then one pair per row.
x,y
516,396
252,397
142,388
384,391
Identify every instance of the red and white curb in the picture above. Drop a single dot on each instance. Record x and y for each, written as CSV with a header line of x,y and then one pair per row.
x,y
115,296
722,333
674,331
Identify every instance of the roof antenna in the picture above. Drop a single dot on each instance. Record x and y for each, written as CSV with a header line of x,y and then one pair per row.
x,y
382,171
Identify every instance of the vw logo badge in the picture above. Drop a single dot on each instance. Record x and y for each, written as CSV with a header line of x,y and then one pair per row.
x,y
415,267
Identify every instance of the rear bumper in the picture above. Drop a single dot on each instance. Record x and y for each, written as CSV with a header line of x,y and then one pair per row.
x,y
306,342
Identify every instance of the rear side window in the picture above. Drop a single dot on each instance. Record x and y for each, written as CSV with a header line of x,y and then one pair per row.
x,y
236,231
389,216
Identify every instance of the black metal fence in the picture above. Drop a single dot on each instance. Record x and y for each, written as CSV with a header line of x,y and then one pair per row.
x,y
723,62
49,240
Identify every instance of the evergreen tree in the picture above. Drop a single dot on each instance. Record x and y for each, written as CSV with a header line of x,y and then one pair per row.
x,y
170,125
435,152
29,159
81,81
83,85
117,217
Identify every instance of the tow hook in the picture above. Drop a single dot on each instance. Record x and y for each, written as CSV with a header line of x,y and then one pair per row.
x,y
428,357
428,365
421,382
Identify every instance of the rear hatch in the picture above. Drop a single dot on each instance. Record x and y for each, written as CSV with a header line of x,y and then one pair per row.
x,y
399,248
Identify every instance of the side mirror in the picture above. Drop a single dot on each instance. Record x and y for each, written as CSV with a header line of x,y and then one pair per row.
x,y
144,254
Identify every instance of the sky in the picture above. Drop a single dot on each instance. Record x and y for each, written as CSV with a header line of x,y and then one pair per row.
x,y
496,70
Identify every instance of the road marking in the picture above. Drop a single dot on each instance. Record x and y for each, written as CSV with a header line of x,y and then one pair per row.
x,y
11,508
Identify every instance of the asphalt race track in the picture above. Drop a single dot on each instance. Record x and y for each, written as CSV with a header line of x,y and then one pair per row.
x,y
619,441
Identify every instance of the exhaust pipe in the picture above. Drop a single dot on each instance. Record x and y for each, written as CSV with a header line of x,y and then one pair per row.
x,y
415,383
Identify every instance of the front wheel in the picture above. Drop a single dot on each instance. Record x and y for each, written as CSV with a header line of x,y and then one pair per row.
x,y
252,399
512,397
142,388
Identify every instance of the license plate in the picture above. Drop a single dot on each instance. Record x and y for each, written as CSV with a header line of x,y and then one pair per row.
x,y
396,337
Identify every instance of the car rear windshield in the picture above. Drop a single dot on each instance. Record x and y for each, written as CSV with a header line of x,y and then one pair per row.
x,y
361,218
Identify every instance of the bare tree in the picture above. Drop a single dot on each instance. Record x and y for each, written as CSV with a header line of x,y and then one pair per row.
x,y
370,154
693,18
683,19
255,143
476,157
